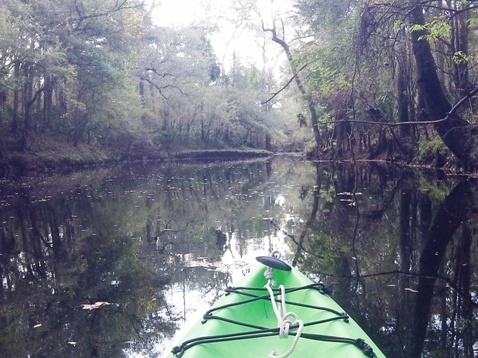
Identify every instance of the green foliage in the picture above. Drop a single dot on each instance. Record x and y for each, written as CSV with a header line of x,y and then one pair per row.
x,y
323,14
436,28
371,54
81,55
104,73
459,57
399,25
326,78
429,147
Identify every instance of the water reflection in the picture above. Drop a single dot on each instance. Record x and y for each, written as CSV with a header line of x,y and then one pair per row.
x,y
116,262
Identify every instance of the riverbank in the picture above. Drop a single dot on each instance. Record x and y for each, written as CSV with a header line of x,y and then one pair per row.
x,y
54,153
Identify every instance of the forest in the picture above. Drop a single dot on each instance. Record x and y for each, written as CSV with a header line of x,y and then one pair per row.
x,y
370,80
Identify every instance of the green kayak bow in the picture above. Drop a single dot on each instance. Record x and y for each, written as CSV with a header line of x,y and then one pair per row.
x,y
276,311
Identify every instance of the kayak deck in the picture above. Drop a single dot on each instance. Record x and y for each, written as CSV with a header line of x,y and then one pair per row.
x,y
244,322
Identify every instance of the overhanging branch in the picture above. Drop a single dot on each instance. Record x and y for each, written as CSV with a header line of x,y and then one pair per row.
x,y
286,85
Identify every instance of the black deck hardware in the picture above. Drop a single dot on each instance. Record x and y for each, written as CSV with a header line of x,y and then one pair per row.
x,y
274,263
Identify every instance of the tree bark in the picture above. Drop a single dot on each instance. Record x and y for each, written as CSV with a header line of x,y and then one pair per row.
x,y
314,119
27,107
403,65
454,130
47,101
16,99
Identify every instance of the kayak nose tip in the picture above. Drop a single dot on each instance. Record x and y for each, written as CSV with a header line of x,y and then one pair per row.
x,y
274,263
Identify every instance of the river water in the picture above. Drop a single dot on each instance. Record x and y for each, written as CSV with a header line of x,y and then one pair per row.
x,y
119,262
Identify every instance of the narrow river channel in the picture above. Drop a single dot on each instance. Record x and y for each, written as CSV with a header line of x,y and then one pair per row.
x,y
119,262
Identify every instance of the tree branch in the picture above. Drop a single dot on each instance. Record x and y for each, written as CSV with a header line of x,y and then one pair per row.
x,y
286,85
119,6
155,71
161,88
449,114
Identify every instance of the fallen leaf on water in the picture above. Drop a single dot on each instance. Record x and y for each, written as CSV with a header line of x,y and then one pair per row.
x,y
94,306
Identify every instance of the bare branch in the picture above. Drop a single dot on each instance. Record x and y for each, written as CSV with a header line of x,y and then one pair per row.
x,y
119,6
161,88
155,71
286,85
449,114
461,101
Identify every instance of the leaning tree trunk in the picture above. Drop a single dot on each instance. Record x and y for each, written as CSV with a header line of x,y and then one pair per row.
x,y
453,130
314,118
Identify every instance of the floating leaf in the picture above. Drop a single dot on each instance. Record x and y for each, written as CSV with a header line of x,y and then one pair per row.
x,y
94,306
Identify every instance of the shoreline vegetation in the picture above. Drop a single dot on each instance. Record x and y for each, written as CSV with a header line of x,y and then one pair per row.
x,y
110,85
54,153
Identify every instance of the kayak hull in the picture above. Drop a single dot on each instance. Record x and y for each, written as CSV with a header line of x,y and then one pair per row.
x,y
243,323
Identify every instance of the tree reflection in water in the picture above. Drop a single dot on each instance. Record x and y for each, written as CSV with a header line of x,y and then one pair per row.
x,y
143,248
403,259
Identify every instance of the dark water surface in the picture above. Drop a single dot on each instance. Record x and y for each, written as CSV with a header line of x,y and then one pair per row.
x,y
115,262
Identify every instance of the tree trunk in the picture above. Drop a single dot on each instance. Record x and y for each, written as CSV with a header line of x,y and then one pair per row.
x,y
268,141
27,108
314,119
16,98
342,133
47,102
29,99
141,93
454,131
403,66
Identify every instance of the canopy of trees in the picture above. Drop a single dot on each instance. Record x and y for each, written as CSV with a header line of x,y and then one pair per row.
x,y
391,75
104,73
373,80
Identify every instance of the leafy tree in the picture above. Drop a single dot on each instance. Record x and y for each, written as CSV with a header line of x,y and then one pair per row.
x,y
381,73
60,58
453,130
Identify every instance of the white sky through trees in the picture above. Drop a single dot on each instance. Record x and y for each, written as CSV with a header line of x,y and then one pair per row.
x,y
230,39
